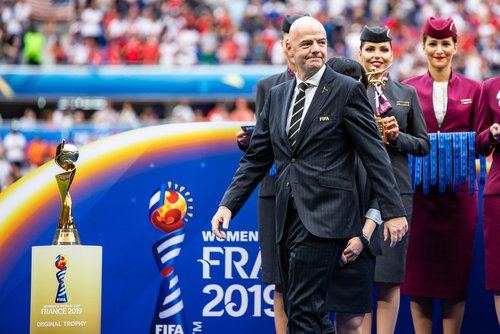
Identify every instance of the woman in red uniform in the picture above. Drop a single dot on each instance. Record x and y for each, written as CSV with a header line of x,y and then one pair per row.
x,y
487,140
441,241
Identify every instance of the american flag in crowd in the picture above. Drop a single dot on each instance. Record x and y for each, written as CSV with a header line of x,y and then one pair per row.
x,y
59,10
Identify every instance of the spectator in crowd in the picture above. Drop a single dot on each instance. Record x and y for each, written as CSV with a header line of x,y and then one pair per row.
x,y
63,118
241,111
127,116
79,117
34,43
58,52
113,53
14,145
37,152
12,49
199,116
149,116
151,51
133,51
105,117
5,171
182,112
91,21
28,121
218,113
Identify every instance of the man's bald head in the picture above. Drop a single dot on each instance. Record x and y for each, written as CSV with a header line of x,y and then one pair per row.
x,y
307,46
303,24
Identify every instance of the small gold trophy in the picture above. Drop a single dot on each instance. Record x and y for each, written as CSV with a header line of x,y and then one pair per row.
x,y
378,80
66,233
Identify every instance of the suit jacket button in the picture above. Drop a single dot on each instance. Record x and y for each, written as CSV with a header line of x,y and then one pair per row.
x,y
288,184
293,160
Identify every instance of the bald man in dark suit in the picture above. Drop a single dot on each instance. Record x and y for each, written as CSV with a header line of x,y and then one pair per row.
x,y
316,208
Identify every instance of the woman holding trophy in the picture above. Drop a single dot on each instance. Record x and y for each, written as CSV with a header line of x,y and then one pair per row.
x,y
403,130
444,221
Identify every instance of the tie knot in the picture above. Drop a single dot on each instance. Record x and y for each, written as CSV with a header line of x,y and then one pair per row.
x,y
303,86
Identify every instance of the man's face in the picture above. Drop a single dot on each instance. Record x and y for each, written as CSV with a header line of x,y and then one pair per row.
x,y
307,46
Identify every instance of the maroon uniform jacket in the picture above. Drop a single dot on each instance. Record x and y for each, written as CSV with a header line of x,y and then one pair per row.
x,y
489,113
443,224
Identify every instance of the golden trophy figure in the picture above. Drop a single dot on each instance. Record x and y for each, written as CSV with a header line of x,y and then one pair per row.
x,y
66,233
378,79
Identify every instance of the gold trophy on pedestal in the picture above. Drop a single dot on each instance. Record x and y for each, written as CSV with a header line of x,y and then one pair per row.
x,y
377,79
66,233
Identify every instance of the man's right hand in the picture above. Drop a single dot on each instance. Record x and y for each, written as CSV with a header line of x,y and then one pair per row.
x,y
243,138
221,218
395,228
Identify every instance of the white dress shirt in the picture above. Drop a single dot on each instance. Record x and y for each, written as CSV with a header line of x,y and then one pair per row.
x,y
313,85
440,100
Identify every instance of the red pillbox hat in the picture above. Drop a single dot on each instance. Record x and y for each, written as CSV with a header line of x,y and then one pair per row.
x,y
440,28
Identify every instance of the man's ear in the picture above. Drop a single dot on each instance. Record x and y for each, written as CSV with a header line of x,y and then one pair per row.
x,y
288,48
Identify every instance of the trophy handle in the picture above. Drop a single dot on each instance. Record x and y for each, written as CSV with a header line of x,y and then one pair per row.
x,y
64,181
66,232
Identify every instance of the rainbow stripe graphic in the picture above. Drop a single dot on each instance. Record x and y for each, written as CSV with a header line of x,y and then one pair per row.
x,y
31,206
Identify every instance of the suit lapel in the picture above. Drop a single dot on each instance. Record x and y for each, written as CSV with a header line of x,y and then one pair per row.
x,y
286,101
322,92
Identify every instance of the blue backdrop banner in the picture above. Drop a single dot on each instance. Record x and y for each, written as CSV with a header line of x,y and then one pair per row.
x,y
147,197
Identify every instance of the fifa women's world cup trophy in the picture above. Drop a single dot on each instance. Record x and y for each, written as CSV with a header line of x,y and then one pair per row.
x,y
378,79
66,233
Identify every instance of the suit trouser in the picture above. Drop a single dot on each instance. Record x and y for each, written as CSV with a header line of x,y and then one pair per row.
x,y
307,263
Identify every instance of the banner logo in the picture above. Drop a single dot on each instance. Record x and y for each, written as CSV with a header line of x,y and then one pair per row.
x,y
170,208
61,289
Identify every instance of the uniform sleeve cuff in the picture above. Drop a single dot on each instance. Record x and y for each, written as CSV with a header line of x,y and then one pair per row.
x,y
374,215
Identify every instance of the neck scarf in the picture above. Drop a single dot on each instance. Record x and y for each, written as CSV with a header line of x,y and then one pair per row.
x,y
382,105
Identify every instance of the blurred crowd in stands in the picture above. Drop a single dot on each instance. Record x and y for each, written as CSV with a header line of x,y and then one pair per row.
x,y
189,32
25,145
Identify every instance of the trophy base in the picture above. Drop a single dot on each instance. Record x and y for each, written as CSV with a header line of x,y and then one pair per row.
x,y
66,236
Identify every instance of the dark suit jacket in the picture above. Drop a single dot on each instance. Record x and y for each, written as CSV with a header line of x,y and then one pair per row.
x,y
413,138
367,200
319,170
267,186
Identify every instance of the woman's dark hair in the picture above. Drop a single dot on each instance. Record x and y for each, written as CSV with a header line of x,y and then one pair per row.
x,y
348,67
424,38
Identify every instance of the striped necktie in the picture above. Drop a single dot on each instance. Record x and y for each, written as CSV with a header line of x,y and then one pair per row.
x,y
297,111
